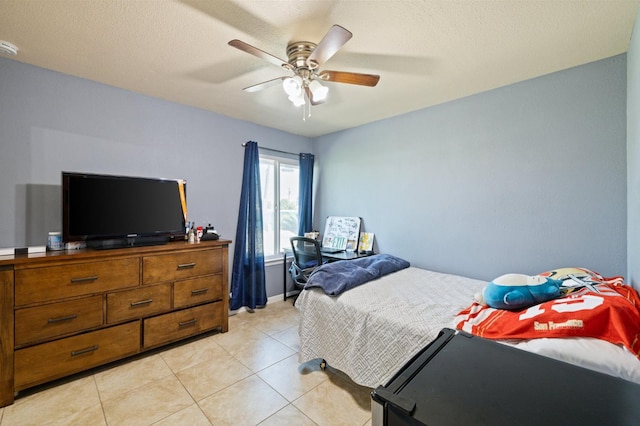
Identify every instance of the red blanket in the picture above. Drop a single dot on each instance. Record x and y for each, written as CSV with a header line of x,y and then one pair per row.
x,y
611,314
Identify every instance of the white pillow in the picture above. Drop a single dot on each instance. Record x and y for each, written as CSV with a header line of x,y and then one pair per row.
x,y
594,354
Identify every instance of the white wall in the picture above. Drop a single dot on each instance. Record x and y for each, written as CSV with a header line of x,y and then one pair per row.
x,y
524,178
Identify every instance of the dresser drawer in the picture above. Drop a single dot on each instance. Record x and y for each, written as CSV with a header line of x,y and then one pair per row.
x,y
77,279
56,319
177,325
181,265
52,360
144,301
197,290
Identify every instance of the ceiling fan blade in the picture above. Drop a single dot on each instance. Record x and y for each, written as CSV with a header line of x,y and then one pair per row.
x,y
263,85
335,38
350,77
241,45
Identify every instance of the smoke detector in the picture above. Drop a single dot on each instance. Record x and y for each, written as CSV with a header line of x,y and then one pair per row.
x,y
8,48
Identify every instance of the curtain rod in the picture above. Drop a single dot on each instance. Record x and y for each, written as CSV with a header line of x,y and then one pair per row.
x,y
273,150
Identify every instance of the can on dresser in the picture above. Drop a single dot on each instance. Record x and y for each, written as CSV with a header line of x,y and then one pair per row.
x,y
55,241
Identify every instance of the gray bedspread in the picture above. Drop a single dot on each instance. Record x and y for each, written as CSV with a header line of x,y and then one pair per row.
x,y
371,331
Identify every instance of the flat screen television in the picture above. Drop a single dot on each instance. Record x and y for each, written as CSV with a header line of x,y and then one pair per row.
x,y
117,211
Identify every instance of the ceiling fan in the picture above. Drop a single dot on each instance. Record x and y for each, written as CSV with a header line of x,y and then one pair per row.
x,y
304,60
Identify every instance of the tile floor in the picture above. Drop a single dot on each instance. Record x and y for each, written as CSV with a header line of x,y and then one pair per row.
x,y
247,376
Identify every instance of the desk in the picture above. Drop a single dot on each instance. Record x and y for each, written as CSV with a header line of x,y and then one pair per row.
x,y
344,255
329,257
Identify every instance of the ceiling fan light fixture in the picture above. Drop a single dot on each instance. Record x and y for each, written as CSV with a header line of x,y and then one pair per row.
x,y
292,86
318,91
297,100
304,60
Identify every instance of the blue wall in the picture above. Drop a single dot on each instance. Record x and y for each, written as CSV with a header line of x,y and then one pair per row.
x,y
51,122
633,156
524,178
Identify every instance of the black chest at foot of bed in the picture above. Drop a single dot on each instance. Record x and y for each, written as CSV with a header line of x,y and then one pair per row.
x,y
462,380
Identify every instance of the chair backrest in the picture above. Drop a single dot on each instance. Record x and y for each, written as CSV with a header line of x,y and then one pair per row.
x,y
306,252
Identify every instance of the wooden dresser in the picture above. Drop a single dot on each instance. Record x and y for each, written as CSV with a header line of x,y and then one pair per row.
x,y
65,312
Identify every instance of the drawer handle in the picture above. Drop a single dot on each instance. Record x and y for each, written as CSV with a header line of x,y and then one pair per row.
x,y
59,319
84,351
84,279
141,302
186,265
199,291
185,323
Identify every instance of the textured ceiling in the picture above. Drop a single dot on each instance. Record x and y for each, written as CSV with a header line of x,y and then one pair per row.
x,y
426,52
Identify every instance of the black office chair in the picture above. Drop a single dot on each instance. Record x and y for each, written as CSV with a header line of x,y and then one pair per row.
x,y
306,258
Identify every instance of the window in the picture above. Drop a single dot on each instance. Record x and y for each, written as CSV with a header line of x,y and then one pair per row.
x,y
279,184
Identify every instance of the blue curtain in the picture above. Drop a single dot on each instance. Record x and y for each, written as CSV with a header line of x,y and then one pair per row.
x,y
305,207
248,280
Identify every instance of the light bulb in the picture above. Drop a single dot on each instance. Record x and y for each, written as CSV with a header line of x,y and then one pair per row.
x,y
318,91
292,85
297,100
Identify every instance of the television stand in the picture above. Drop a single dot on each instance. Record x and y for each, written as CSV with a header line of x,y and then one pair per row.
x,y
62,313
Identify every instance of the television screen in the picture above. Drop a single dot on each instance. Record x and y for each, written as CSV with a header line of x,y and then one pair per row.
x,y
132,209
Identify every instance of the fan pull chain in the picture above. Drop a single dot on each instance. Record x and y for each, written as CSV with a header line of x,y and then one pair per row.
x,y
306,109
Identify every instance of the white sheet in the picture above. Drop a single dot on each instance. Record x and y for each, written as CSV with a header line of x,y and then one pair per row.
x,y
594,354
371,331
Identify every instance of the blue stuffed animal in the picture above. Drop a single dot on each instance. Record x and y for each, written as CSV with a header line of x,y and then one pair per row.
x,y
518,291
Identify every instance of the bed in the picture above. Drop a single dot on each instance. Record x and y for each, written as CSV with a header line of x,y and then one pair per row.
x,y
371,329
